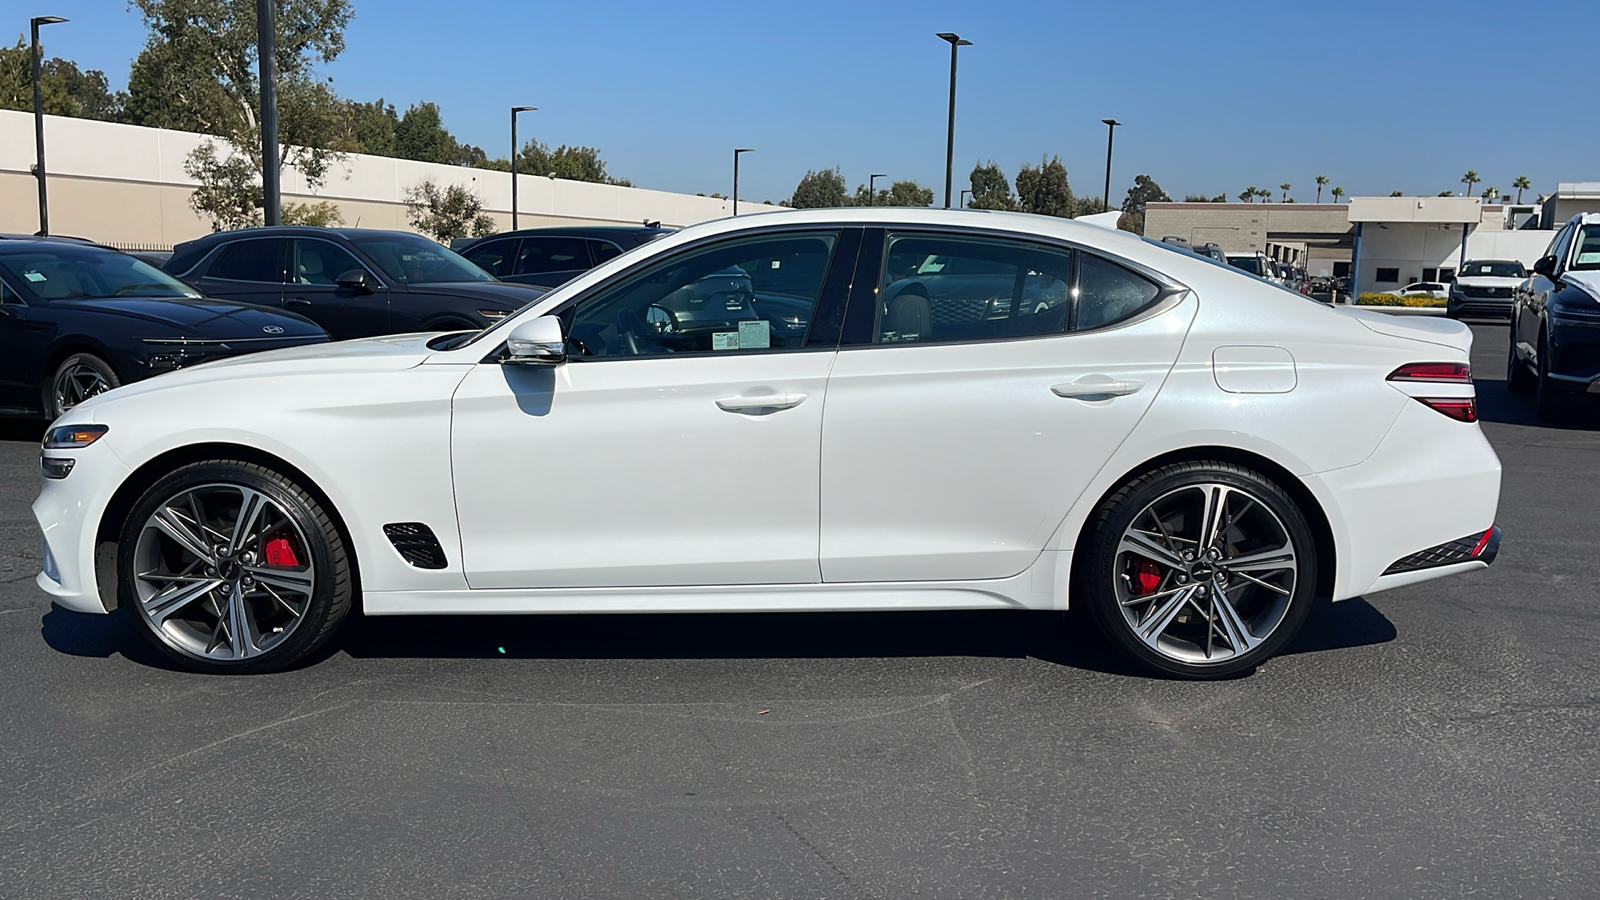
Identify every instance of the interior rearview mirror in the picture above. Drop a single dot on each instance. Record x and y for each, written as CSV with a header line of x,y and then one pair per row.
x,y
355,279
1546,266
537,342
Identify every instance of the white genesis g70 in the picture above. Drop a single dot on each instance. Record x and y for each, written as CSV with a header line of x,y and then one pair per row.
x,y
865,409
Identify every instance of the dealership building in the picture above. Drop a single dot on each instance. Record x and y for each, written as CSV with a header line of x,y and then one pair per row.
x,y
125,186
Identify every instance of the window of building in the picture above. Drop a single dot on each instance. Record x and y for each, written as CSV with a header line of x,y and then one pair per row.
x,y
1430,274
1387,276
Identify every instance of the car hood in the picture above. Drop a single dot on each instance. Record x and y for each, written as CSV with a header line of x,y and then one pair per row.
x,y
1488,281
201,317
1428,329
502,293
1586,279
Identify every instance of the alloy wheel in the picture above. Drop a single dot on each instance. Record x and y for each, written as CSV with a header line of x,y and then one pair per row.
x,y
222,572
1205,573
77,383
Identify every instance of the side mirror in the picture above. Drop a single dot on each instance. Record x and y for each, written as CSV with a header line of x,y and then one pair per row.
x,y
1546,266
354,279
537,342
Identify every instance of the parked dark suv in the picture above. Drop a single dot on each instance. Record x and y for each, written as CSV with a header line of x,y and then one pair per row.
x,y
547,257
354,282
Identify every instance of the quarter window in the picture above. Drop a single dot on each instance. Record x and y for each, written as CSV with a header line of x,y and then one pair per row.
x,y
255,260
1109,293
943,289
755,294
8,297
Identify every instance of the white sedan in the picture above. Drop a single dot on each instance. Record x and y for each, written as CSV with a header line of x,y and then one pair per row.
x,y
792,412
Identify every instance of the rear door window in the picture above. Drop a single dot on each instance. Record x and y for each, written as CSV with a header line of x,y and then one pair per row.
x,y
539,255
260,260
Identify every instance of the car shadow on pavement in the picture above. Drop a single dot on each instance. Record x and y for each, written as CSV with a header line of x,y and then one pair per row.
x,y
1066,639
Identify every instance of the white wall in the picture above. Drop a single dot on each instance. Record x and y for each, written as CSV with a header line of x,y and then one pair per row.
x,y
125,184
1411,247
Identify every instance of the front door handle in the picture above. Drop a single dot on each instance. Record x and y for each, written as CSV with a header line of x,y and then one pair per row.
x,y
299,301
1095,387
760,402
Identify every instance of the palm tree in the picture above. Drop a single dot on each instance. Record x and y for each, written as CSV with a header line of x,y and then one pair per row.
x,y
1285,189
1337,193
1470,179
1521,184
1248,195
1491,193
1265,195
1321,180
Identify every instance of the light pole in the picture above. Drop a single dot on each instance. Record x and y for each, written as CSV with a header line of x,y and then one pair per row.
x,y
38,121
950,137
1111,133
514,148
736,153
872,188
964,193
267,67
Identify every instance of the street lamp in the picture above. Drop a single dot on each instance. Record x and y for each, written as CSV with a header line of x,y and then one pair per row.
x,y
964,193
736,153
872,192
514,148
950,138
267,76
1111,132
38,121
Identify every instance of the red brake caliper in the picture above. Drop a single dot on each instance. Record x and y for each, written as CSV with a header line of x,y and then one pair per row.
x,y
279,553
1146,577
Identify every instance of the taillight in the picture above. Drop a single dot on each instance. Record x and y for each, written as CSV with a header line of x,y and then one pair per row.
x,y
1462,409
1455,373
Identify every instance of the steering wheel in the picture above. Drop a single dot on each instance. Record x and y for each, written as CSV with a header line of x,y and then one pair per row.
x,y
631,328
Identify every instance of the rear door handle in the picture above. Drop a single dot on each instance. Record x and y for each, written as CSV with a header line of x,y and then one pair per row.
x,y
299,301
1095,387
760,402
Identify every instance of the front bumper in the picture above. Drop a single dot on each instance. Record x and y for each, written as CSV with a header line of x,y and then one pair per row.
x,y
1497,307
68,511
1575,352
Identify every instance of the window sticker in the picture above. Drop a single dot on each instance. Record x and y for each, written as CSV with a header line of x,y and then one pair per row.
x,y
1588,259
34,276
725,340
755,335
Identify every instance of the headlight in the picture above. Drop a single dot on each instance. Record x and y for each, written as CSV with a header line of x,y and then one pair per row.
x,y
73,437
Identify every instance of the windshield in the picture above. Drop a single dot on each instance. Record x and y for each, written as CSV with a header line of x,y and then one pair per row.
x,y
412,259
1588,255
88,273
1493,269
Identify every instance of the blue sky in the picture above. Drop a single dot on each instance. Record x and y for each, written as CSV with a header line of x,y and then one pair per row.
x,y
1380,96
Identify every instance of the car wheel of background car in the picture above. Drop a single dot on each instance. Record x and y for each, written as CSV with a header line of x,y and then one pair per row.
x,y
1198,569
1550,402
1518,379
232,567
79,377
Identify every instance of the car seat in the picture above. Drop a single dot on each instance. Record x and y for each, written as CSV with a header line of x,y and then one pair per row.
x,y
909,318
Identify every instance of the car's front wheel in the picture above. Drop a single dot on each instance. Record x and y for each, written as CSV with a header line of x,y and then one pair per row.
x,y
232,567
1198,569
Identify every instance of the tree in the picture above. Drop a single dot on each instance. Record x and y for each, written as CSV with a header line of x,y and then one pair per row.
x,y
1321,180
1470,179
1202,198
1265,194
820,189
1491,193
901,193
1248,195
1521,184
420,135
990,189
1285,188
447,214
1337,193
1144,191
1045,191
372,127
66,90
1397,193
230,193
197,72
1447,193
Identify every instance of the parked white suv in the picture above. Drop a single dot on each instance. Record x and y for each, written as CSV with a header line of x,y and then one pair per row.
x,y
1485,287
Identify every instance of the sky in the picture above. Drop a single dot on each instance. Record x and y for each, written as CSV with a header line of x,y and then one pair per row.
x,y
1378,95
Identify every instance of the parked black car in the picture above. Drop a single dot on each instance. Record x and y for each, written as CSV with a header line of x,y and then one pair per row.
x,y
1555,321
547,257
77,319
354,282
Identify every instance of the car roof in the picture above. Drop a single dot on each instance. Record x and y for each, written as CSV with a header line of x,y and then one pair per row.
x,y
597,231
1587,218
1473,261
50,238
32,244
299,231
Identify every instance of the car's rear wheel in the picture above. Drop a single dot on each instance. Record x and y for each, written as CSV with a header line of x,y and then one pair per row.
x,y
1518,379
78,377
232,567
1198,569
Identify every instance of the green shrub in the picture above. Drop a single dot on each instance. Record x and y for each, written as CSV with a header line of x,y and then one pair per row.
x,y
1371,299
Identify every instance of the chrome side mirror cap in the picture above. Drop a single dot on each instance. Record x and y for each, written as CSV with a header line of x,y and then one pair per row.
x,y
537,342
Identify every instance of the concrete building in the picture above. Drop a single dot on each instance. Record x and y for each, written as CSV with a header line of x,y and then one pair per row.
x,y
1315,236
124,185
1400,240
1570,199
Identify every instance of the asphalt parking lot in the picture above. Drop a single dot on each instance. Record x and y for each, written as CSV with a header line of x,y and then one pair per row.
x,y
1434,741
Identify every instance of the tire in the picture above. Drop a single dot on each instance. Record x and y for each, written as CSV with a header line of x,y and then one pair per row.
x,y
1518,379
1201,617
1550,403
261,603
79,377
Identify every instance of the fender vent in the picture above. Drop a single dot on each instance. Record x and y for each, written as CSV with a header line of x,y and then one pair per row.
x,y
416,544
